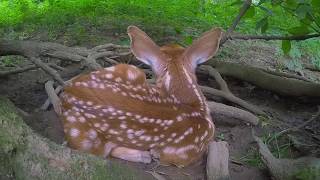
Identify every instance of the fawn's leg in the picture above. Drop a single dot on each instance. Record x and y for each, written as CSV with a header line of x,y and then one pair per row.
x,y
131,154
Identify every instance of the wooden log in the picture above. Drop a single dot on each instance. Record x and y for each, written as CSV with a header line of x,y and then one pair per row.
x,y
217,161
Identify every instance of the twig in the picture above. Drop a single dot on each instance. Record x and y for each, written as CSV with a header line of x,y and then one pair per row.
x,y
246,5
92,63
17,70
297,128
121,54
236,162
22,112
108,46
47,69
156,175
65,56
56,67
111,61
46,105
53,97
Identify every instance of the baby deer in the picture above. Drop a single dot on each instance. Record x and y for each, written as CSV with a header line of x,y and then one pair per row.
x,y
114,111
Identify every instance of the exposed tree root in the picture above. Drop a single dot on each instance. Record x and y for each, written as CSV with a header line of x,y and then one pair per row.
x,y
27,68
281,83
225,92
17,70
56,76
34,51
283,74
223,113
311,67
304,167
218,161
270,81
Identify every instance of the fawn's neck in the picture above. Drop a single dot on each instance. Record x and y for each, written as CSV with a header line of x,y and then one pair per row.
x,y
183,85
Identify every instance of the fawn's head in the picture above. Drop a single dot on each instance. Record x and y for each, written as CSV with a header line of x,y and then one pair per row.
x,y
173,62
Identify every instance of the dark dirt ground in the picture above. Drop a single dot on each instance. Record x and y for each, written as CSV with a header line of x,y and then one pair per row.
x,y
27,92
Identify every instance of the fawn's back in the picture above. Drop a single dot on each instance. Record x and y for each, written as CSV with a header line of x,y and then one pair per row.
x,y
117,105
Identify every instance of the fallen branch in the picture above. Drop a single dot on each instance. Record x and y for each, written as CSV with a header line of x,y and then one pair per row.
x,y
218,161
54,99
46,105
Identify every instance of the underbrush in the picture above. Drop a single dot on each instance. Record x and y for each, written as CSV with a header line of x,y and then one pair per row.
x,y
91,22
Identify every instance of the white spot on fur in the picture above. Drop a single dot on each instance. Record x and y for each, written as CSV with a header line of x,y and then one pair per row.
x,y
108,76
74,132
71,119
92,134
86,144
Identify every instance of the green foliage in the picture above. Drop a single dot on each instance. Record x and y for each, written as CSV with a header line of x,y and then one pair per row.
x,y
286,46
308,174
81,22
279,147
10,61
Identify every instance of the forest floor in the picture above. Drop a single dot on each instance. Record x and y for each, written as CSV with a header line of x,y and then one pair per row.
x,y
27,92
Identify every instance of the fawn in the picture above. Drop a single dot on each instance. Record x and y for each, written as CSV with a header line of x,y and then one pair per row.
x,y
115,112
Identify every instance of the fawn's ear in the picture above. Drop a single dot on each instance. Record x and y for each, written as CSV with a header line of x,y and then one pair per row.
x,y
144,49
204,47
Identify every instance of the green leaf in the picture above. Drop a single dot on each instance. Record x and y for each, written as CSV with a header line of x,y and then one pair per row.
x,y
301,1
302,10
286,46
306,21
262,25
261,2
251,12
300,30
188,40
236,3
292,4
315,3
276,2
269,11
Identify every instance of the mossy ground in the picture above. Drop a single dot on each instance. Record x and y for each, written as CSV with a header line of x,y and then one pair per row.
x,y
26,155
